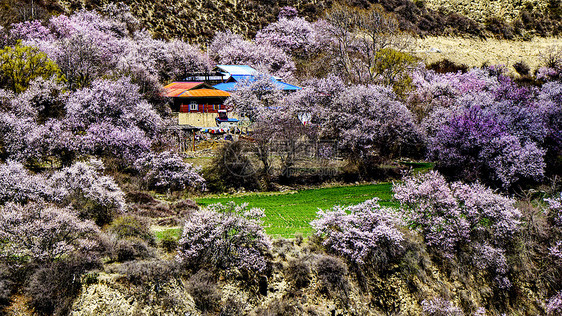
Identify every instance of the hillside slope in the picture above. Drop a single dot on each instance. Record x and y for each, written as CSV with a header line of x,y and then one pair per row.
x,y
483,9
198,20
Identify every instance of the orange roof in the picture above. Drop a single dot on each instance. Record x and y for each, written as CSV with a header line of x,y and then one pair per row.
x,y
176,88
183,85
193,90
173,92
204,93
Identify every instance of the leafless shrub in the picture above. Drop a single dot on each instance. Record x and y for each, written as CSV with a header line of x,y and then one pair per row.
x,y
204,291
331,272
298,272
53,287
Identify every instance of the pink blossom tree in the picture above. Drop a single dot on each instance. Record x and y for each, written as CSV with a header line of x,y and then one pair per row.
x,y
254,95
85,188
364,234
229,48
30,30
456,217
370,124
38,233
44,99
481,125
122,143
168,171
554,304
226,237
18,185
295,35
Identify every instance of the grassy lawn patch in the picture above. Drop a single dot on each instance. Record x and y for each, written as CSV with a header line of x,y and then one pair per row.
x,y
420,166
161,232
290,213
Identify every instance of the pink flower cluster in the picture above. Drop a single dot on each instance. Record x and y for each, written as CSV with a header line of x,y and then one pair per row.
x,y
363,233
455,217
227,237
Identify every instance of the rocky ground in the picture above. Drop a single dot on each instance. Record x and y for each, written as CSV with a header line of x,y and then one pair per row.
x,y
302,281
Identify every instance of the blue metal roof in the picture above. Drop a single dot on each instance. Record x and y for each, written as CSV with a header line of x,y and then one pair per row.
x,y
286,87
231,86
242,73
239,78
238,70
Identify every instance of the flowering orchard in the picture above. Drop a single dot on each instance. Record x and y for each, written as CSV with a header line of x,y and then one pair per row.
x,y
83,141
363,233
457,217
227,237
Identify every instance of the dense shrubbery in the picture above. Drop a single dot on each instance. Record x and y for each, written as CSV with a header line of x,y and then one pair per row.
x,y
457,217
95,97
204,291
167,171
232,168
149,272
131,227
332,274
53,287
225,237
364,234
299,273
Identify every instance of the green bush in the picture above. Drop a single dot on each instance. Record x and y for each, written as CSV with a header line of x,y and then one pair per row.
x,y
169,241
20,64
131,226
392,66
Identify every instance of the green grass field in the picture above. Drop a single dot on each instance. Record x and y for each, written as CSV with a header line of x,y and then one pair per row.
x,y
290,213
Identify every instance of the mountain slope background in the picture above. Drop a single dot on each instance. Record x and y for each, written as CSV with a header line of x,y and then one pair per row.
x,y
198,20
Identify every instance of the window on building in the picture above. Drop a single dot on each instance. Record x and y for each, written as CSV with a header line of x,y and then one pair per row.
x,y
193,106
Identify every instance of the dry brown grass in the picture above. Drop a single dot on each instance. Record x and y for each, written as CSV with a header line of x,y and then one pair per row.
x,y
479,10
474,52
